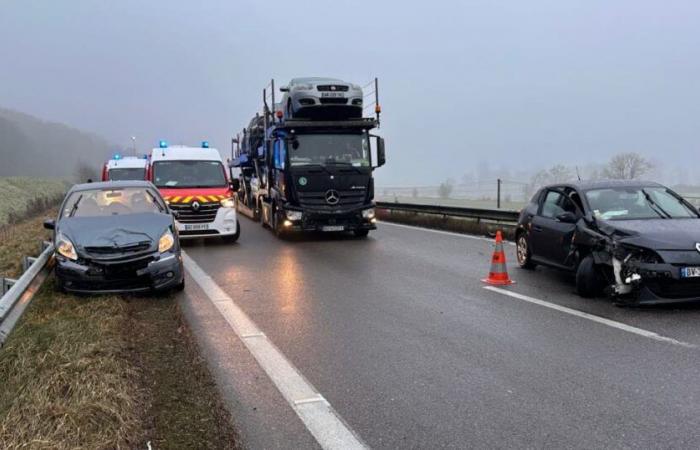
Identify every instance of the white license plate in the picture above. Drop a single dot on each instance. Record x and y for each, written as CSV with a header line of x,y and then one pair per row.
x,y
333,228
332,94
196,226
690,272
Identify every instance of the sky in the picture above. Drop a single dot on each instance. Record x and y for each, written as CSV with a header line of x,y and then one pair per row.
x,y
466,86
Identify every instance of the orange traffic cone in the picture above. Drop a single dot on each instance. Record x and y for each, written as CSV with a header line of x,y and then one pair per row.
x,y
499,273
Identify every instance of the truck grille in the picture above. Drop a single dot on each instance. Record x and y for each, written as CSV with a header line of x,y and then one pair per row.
x,y
346,199
330,87
186,214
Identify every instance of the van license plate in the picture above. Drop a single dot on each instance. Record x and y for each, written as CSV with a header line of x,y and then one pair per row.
x,y
333,228
690,272
196,227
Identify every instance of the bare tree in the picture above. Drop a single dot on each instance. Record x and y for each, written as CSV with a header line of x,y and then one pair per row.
x,y
627,166
445,189
558,173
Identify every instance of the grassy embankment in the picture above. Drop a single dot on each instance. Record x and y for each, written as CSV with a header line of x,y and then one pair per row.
x,y
102,372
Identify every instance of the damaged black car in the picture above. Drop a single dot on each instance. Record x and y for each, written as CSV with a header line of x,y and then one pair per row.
x,y
116,237
637,242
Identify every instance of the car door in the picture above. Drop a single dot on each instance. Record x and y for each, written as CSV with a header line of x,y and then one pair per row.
x,y
550,238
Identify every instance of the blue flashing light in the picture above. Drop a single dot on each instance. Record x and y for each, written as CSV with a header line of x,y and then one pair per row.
x,y
205,144
163,144
117,156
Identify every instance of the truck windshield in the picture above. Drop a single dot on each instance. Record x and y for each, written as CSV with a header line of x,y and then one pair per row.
x,y
135,173
187,174
328,149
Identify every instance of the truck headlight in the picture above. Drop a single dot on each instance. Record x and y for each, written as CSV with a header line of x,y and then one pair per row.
x,y
166,242
65,247
228,203
294,215
368,213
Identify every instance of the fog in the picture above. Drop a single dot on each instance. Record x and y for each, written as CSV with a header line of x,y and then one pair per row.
x,y
465,86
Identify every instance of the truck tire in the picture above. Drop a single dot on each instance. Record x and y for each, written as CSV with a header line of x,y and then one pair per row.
x,y
361,233
589,281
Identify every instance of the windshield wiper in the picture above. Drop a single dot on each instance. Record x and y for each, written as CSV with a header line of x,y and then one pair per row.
x,y
75,206
656,207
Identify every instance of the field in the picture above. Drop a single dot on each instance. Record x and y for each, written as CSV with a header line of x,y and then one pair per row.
x,y
22,196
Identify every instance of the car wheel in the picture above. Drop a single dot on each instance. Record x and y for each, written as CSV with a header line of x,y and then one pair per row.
x,y
231,238
589,281
361,233
180,286
522,252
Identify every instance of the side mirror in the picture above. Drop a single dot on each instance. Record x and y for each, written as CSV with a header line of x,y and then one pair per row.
x,y
567,217
381,155
235,185
50,224
284,88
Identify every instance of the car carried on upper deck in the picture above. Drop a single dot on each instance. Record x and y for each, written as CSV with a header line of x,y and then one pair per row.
x,y
639,242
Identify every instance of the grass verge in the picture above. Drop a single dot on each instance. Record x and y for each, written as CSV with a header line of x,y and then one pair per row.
x,y
103,372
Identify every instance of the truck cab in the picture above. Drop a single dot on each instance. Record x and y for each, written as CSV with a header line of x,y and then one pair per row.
x,y
194,182
121,168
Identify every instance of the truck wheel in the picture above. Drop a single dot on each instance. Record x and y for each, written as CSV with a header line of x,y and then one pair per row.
x,y
523,253
361,233
589,281
279,231
231,238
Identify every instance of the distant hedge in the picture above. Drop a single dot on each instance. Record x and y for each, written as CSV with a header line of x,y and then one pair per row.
x,y
23,196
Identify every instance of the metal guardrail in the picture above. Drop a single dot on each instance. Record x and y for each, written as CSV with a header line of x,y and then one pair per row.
x,y
14,302
454,211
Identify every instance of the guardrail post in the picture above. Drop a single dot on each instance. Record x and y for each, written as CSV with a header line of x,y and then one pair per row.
x,y
27,262
44,246
7,283
498,193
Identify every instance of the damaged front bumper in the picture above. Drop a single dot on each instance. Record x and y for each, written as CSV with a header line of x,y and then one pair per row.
x,y
145,273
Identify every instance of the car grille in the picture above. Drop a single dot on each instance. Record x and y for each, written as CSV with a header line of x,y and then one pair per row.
x,y
334,101
332,87
207,212
124,250
347,199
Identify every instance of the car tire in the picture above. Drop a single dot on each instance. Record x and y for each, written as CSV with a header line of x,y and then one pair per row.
x,y
589,281
231,238
522,252
180,286
361,233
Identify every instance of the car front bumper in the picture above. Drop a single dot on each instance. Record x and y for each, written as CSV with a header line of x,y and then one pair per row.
x,y
661,283
142,274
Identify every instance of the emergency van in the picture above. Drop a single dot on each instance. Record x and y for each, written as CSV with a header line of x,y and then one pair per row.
x,y
121,168
194,182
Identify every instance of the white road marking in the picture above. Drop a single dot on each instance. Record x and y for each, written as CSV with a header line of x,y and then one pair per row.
x,y
446,233
322,421
591,317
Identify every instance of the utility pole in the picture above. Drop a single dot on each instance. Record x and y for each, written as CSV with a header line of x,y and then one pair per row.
x,y
133,144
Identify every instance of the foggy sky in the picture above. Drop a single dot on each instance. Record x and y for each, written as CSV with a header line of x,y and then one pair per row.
x,y
509,83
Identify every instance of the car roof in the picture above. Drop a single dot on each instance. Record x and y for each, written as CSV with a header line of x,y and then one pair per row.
x,y
603,184
112,185
313,80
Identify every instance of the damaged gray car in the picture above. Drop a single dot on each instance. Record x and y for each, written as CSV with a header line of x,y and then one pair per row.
x,y
638,242
116,237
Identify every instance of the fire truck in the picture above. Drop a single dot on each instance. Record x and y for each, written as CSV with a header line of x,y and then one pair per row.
x,y
121,168
194,182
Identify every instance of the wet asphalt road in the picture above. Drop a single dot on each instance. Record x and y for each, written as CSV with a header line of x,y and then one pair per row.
x,y
398,334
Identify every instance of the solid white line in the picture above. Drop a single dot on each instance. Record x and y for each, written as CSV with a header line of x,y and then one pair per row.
x,y
446,233
322,421
591,317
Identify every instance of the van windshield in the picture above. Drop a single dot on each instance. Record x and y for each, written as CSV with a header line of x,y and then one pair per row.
x,y
188,174
134,173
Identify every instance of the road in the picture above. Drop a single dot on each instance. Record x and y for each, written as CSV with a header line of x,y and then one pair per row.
x,y
398,334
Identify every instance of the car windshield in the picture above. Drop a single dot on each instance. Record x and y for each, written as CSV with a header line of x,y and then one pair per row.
x,y
637,203
111,202
181,174
134,173
329,149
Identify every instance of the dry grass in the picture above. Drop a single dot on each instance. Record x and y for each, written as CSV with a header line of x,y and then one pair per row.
x,y
103,372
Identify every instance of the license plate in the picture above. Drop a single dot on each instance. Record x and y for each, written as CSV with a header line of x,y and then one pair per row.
x,y
196,226
332,94
333,228
690,272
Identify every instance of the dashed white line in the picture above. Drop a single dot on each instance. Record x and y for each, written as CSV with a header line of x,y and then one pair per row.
x,y
319,417
446,233
591,317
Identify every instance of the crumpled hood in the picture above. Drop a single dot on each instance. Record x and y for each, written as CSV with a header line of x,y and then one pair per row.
x,y
115,231
655,234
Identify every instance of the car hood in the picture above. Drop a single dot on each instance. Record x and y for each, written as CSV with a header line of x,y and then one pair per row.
x,y
115,234
655,234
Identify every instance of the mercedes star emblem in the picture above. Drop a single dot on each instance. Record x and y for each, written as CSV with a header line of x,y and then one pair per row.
x,y
697,246
332,197
195,206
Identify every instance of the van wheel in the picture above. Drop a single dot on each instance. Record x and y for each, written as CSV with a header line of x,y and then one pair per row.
x,y
589,281
522,252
